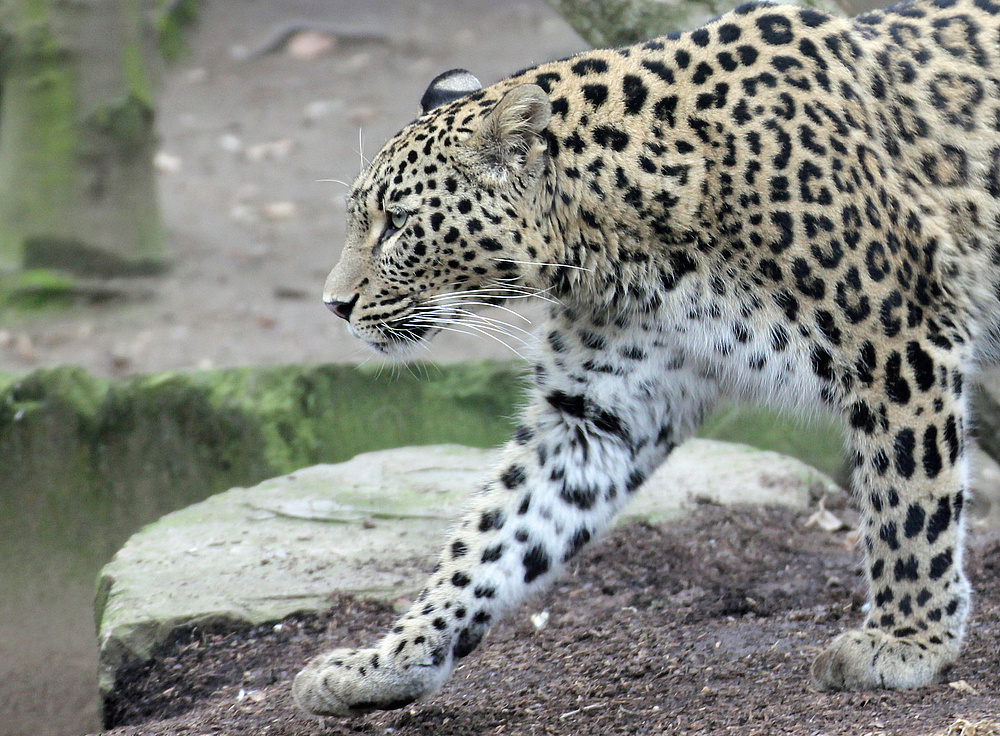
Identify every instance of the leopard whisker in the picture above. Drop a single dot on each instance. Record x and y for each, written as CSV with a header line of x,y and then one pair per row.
x,y
463,316
441,321
474,303
506,284
471,330
543,263
467,316
498,291
498,324
529,291
491,333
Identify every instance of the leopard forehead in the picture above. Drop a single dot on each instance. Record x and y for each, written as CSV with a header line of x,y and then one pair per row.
x,y
421,150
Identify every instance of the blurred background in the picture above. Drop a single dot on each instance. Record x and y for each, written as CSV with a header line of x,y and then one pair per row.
x,y
258,103
262,104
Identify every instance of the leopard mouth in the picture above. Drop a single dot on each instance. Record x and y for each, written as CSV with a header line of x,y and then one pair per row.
x,y
403,335
396,335
410,322
390,328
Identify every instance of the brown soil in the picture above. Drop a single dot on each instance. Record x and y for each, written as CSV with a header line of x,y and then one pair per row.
x,y
704,627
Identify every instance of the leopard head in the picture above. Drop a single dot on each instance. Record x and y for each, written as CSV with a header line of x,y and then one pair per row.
x,y
446,218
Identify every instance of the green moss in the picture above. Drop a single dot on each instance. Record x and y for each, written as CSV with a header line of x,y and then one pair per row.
x,y
818,442
68,388
172,19
137,77
129,121
52,136
36,288
38,142
46,420
47,90
33,10
96,459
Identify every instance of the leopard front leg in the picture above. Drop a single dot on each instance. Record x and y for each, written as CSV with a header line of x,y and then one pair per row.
x,y
910,480
580,453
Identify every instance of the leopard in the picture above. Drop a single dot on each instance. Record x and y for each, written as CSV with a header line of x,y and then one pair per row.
x,y
785,206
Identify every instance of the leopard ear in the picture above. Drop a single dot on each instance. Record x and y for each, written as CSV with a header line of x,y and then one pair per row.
x,y
510,138
448,86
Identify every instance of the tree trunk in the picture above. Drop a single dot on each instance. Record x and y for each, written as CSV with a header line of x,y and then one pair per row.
x,y
77,188
604,23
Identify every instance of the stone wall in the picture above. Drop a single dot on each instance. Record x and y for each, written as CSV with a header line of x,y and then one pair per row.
x,y
128,451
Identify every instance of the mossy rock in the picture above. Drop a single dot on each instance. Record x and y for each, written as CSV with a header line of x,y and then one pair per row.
x,y
123,453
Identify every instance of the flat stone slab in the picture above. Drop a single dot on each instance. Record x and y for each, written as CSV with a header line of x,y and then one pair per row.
x,y
371,527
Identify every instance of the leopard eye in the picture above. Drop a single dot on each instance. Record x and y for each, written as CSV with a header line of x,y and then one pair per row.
x,y
398,219
395,220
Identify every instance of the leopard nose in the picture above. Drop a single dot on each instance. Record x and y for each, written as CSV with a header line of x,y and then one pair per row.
x,y
341,309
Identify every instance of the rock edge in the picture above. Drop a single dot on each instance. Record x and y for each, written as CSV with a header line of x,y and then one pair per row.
x,y
369,527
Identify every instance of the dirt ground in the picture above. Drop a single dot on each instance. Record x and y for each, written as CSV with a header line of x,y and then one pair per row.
x,y
704,627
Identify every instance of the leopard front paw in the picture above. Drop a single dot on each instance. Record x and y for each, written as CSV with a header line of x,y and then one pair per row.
x,y
350,682
869,659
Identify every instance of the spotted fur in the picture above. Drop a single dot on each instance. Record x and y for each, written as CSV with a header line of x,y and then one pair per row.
x,y
781,205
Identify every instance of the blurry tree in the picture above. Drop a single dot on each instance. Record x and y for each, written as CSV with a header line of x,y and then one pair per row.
x,y
603,23
77,188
